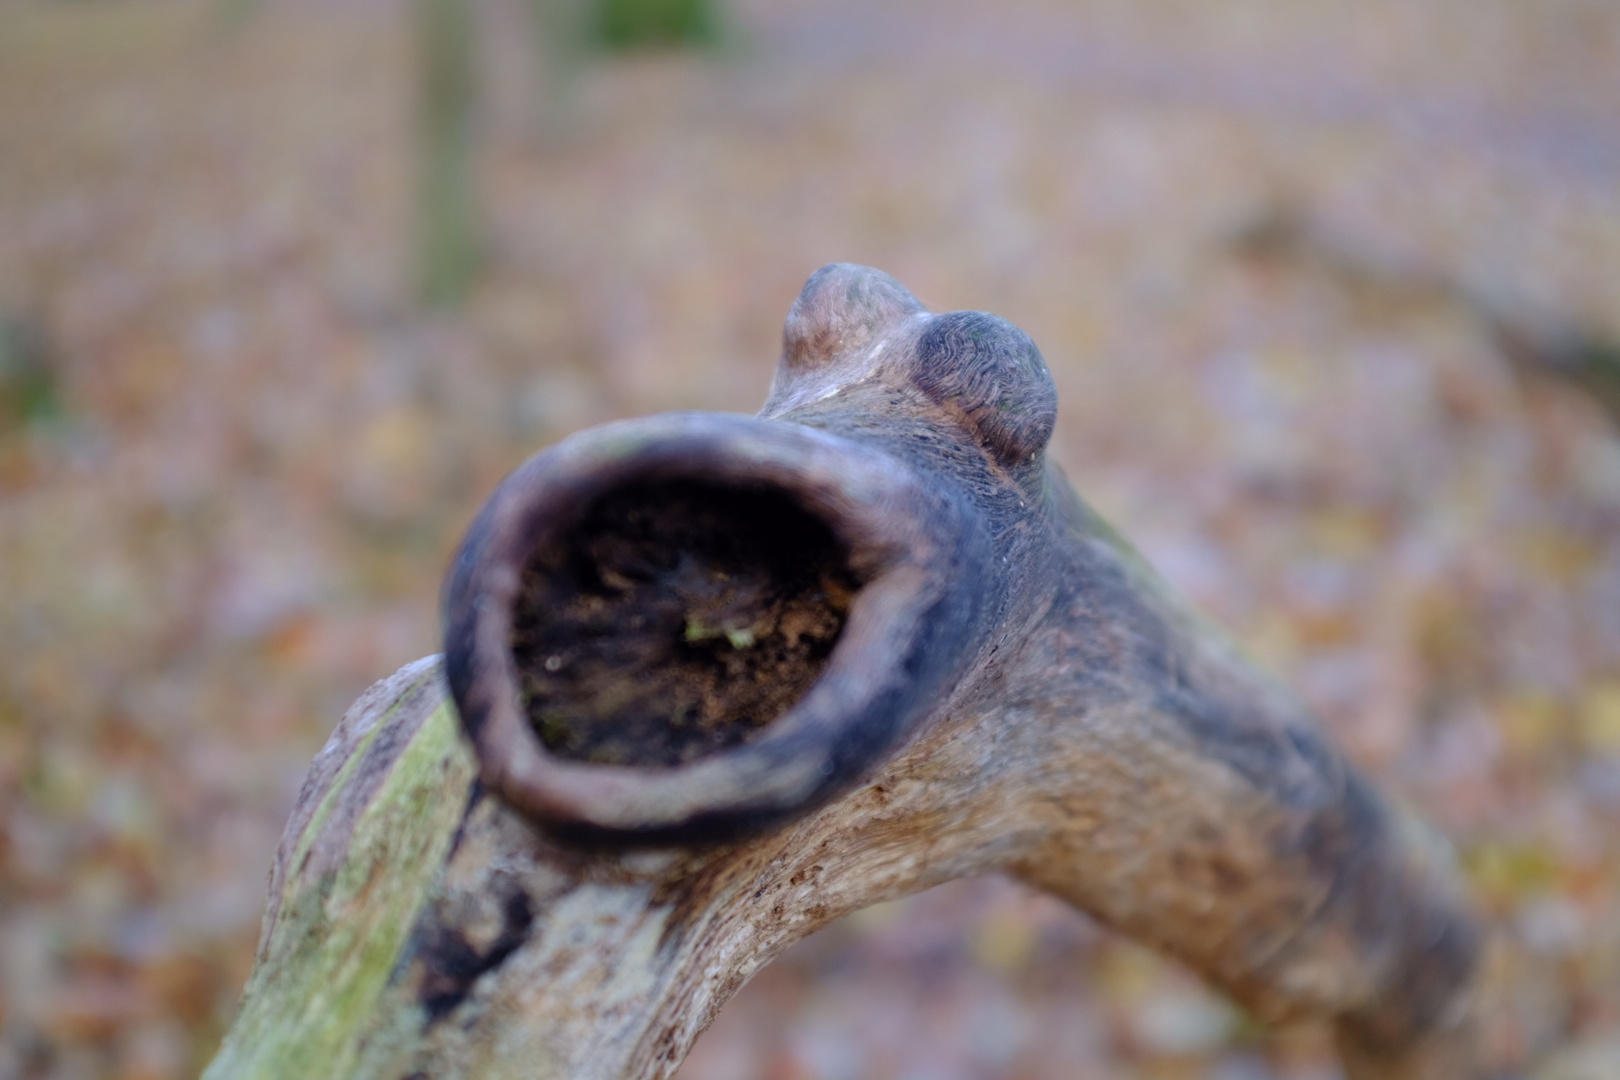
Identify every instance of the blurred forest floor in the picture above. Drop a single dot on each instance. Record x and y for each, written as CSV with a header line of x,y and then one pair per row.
x,y
1308,276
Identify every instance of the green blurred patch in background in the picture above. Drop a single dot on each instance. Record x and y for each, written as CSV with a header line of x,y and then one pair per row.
x,y
27,384
630,24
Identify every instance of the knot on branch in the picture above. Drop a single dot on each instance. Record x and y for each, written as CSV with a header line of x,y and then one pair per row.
x,y
853,325
842,312
989,369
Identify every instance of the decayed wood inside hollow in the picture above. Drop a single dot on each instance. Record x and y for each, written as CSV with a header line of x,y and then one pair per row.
x,y
675,620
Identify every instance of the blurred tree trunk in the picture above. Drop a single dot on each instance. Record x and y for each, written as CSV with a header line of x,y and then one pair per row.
x,y
446,213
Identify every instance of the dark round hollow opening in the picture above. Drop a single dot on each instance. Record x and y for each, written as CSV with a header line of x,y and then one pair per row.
x,y
675,620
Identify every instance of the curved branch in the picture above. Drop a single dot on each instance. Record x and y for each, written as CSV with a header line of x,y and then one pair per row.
x,y
1007,688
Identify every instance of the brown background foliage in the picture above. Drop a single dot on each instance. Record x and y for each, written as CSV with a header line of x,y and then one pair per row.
x,y
1303,271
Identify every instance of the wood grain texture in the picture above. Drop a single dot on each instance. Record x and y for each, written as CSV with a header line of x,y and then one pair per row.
x,y
1014,691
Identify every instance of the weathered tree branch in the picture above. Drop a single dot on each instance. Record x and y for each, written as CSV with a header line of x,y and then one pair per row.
x,y
984,678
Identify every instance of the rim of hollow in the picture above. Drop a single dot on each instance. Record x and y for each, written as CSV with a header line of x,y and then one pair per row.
x,y
861,702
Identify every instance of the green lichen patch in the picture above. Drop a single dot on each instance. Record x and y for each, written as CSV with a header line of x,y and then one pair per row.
x,y
312,1004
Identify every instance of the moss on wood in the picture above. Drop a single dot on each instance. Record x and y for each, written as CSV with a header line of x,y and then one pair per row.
x,y
312,1006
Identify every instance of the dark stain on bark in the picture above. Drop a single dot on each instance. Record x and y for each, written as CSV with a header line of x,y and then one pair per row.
x,y
450,964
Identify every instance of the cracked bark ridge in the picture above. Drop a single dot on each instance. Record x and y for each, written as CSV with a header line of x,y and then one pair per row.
x,y
1011,689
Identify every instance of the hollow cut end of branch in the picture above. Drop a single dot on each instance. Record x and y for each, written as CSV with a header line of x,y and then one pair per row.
x,y
690,626
677,621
